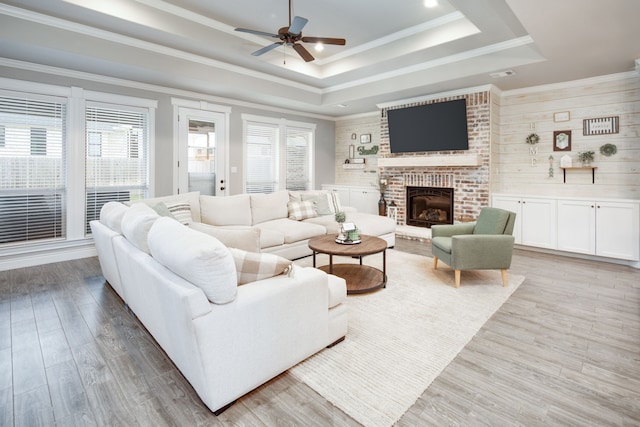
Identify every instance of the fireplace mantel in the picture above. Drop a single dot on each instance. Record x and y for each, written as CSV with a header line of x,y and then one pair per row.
x,y
415,161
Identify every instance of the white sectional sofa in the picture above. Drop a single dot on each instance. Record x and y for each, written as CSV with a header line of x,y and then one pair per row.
x,y
268,216
225,338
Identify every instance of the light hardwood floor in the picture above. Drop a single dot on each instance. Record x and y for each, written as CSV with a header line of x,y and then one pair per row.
x,y
563,350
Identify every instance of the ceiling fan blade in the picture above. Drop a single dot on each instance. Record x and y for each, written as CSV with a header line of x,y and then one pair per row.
x,y
259,33
297,25
304,53
267,49
325,40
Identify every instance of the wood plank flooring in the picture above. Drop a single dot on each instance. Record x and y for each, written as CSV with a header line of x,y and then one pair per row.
x,y
563,350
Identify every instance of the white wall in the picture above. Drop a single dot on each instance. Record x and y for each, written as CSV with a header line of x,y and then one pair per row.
x,y
617,176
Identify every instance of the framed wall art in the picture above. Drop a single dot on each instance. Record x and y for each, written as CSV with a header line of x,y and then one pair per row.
x,y
365,138
601,126
562,140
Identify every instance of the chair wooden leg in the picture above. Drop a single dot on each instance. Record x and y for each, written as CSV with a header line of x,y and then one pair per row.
x,y
505,280
435,263
457,276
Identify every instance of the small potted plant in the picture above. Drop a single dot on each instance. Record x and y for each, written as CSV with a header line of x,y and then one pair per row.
x,y
586,157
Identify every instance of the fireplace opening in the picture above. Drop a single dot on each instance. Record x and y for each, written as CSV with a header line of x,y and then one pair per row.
x,y
427,206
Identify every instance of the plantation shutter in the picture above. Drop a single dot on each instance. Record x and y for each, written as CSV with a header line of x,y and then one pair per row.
x,y
117,156
32,168
298,158
262,157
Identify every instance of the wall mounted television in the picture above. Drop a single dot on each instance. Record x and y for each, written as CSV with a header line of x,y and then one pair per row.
x,y
440,126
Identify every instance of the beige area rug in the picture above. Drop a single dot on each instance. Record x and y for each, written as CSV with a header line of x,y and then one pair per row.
x,y
401,337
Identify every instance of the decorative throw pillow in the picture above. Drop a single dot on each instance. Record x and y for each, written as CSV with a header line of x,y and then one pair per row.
x,y
111,215
162,210
301,210
136,223
335,201
180,211
324,204
197,257
253,266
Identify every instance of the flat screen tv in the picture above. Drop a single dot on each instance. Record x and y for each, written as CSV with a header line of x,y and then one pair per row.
x,y
440,126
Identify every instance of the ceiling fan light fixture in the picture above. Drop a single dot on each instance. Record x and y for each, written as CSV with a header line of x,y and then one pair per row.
x,y
430,3
319,47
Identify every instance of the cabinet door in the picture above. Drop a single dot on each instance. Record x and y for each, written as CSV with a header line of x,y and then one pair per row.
x,y
539,223
577,226
364,200
512,204
617,230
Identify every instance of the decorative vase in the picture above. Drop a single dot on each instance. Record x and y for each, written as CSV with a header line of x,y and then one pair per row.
x,y
382,206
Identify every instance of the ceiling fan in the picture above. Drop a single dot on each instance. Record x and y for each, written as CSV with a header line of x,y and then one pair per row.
x,y
290,36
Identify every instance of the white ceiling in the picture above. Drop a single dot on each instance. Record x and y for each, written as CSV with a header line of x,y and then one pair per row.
x,y
395,49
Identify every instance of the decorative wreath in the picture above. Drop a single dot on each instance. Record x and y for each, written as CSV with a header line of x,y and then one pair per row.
x,y
533,139
608,150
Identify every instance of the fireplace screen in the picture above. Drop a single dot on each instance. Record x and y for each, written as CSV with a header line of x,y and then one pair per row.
x,y
427,206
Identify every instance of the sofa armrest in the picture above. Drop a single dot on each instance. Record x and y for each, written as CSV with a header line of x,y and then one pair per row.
x,y
449,230
481,251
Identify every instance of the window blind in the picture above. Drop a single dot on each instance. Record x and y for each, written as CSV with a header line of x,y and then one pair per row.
x,y
32,168
262,156
117,156
298,158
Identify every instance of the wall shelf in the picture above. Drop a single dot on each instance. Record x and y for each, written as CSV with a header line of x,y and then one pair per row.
x,y
593,172
353,165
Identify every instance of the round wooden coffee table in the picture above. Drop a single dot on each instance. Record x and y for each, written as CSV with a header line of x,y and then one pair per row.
x,y
360,278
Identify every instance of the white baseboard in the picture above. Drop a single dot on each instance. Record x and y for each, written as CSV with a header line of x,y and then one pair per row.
x,y
47,254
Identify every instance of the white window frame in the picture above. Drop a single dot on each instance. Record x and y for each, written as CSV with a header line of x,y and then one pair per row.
x,y
76,244
283,125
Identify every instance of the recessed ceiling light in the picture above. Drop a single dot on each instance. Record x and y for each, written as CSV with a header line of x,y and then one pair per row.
x,y
430,3
319,47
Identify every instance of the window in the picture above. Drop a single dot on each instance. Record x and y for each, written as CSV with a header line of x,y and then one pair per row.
x,y
279,154
117,161
32,168
54,179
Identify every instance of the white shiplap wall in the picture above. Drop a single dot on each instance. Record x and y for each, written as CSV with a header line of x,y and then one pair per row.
x,y
369,124
532,110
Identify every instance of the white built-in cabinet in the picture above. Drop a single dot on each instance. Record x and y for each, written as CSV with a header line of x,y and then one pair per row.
x,y
535,219
603,228
364,199
607,228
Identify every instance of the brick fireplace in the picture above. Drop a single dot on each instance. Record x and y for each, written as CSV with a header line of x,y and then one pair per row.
x,y
446,171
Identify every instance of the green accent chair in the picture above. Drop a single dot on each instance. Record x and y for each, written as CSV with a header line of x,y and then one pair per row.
x,y
486,244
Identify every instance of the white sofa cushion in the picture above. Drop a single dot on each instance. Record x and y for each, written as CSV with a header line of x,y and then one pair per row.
x,y
251,266
265,207
270,238
111,215
232,236
136,223
228,210
197,257
292,231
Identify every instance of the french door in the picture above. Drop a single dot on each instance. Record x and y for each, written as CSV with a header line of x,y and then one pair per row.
x,y
202,152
